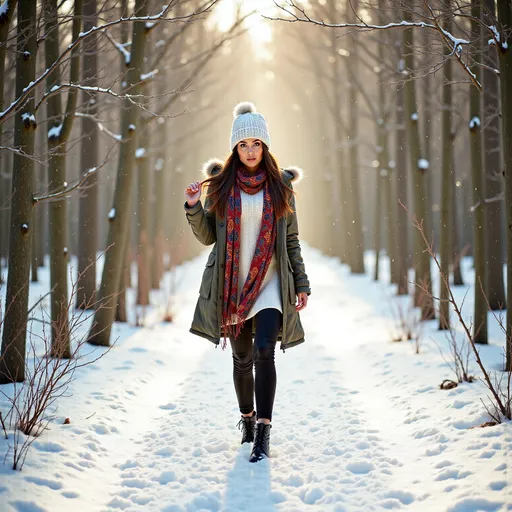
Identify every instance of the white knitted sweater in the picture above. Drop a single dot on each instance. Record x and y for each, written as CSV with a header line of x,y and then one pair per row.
x,y
270,291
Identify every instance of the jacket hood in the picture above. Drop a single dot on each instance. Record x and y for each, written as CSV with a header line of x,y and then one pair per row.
x,y
214,165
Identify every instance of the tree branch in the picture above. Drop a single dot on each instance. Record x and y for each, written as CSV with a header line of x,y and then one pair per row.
x,y
18,102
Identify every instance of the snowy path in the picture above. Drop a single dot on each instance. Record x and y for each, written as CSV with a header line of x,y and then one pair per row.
x,y
359,424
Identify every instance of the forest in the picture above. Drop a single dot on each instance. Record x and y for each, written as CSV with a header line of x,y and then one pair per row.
x,y
399,112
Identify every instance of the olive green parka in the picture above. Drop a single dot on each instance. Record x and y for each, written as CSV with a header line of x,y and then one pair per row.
x,y
209,229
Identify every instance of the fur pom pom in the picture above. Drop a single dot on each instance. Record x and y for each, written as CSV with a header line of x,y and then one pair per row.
x,y
243,108
296,172
212,167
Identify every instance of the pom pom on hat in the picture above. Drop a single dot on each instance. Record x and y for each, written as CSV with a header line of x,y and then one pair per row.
x,y
245,107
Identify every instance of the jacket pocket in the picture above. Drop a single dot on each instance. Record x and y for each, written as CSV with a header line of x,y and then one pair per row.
x,y
206,284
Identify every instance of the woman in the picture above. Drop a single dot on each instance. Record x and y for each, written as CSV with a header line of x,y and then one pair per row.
x,y
255,270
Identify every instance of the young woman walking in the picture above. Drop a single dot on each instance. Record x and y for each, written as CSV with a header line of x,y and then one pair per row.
x,y
254,283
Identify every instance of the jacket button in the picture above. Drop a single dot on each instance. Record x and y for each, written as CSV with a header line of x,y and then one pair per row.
x,y
221,224
222,265
220,297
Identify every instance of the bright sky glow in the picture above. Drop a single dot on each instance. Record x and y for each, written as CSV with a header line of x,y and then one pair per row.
x,y
259,28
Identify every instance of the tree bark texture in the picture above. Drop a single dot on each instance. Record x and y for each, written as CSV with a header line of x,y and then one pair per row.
x,y
505,55
493,171
143,204
446,191
456,249
401,192
478,214
339,179
355,238
423,299
5,22
88,203
12,362
118,229
58,136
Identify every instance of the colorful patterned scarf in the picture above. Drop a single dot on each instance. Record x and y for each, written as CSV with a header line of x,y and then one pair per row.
x,y
251,183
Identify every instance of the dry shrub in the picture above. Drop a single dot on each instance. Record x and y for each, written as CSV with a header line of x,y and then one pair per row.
x,y
500,398
48,374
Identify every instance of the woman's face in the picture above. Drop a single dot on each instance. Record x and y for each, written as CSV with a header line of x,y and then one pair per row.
x,y
250,152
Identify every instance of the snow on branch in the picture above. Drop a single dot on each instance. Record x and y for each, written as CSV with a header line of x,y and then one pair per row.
x,y
101,127
54,132
120,47
67,189
19,152
18,102
148,76
455,44
87,88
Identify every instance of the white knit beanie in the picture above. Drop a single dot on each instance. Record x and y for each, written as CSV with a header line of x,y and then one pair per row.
x,y
248,124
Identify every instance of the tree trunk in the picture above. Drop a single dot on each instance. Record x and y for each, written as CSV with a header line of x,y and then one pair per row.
x,y
38,217
339,204
401,193
158,211
377,221
428,94
456,252
12,360
419,166
5,22
477,175
446,190
143,193
58,136
505,18
33,256
383,183
88,203
118,229
125,282
121,315
355,239
493,172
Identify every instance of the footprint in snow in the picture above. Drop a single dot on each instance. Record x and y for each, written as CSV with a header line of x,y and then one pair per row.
x,y
360,468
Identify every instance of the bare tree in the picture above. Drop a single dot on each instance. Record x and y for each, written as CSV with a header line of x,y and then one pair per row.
x,y
491,127
477,175
58,136
446,187
88,206
12,360
504,51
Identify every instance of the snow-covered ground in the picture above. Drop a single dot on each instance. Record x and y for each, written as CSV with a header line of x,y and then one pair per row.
x,y
360,423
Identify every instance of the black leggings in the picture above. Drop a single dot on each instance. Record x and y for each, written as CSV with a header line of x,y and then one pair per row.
x,y
261,354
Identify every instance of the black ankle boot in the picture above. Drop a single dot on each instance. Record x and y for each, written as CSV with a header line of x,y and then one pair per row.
x,y
261,447
246,425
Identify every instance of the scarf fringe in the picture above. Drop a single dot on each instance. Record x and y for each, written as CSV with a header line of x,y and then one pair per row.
x,y
233,331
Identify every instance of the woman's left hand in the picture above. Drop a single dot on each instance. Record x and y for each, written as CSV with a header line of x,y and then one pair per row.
x,y
302,301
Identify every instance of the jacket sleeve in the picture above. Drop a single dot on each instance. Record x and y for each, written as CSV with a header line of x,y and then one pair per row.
x,y
294,254
202,223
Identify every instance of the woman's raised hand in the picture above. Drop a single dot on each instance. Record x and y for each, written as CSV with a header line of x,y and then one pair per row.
x,y
193,193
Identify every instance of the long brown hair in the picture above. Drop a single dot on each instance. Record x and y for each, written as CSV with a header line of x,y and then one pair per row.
x,y
219,186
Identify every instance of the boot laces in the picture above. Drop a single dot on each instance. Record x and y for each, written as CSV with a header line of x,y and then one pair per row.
x,y
261,435
244,425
